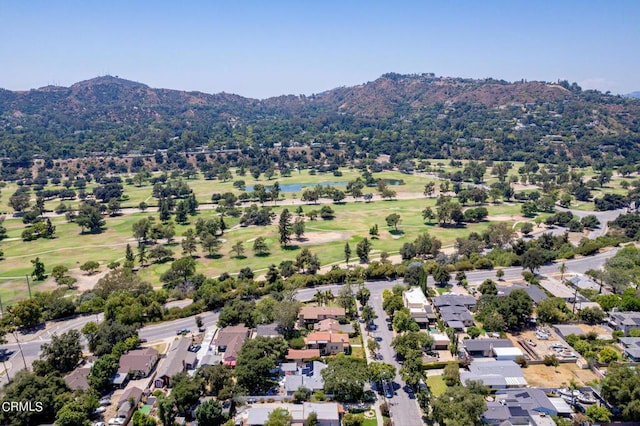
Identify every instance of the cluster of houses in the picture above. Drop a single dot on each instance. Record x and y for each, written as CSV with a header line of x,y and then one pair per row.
x,y
327,336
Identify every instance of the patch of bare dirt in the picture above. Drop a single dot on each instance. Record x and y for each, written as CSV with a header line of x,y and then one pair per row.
x,y
311,238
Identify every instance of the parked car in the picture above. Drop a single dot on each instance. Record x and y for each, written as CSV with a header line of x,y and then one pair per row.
x,y
194,348
105,401
116,421
372,326
100,410
182,331
99,424
389,326
532,343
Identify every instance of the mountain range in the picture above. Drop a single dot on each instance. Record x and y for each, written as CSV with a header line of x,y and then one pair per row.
x,y
115,116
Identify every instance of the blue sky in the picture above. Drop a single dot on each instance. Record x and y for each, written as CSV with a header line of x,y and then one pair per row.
x,y
267,48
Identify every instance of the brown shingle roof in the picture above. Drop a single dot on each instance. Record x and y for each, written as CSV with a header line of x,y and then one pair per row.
x,y
77,379
138,360
227,335
313,312
296,354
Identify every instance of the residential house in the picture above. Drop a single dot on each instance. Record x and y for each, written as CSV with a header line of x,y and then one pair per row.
x,y
584,282
178,359
495,374
456,317
520,407
334,326
267,330
313,314
228,341
128,403
77,379
419,307
483,348
624,321
631,346
138,363
309,377
467,301
440,341
328,413
535,293
302,355
328,343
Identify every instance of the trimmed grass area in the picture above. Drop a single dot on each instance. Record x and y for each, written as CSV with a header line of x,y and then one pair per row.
x,y
436,385
370,422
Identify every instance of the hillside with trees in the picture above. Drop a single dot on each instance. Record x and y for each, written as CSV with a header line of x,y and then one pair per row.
x,y
405,116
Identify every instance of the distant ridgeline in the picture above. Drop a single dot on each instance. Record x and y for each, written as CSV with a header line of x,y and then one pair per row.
x,y
404,116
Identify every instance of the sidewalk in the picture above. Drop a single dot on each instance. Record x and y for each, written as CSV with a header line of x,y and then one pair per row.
x,y
369,359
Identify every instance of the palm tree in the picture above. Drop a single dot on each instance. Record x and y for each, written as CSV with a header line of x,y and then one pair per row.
x,y
319,298
563,269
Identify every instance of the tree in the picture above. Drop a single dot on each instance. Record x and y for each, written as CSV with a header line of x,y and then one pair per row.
x,y
402,321
302,394
393,220
345,378
285,314
284,227
102,371
238,248
19,202
441,274
373,346
89,217
298,227
451,374
598,413
90,267
620,388
526,228
58,272
211,413
279,417
256,359
189,242
592,315
185,391
363,249
347,253
429,188
373,231
363,294
533,259
260,246
428,214
381,371
26,313
499,274
458,406
64,352
141,419
211,244
38,270
51,391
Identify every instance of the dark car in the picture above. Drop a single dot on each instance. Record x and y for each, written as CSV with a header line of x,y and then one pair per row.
x,y
372,326
182,331
389,326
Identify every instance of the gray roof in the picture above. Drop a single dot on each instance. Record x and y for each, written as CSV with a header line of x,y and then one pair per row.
x,y
174,361
567,329
211,359
453,300
529,399
632,353
626,318
455,313
325,411
313,380
268,330
582,281
496,411
494,374
534,292
630,341
288,366
483,345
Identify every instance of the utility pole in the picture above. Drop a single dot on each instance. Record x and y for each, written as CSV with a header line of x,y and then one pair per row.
x,y
28,285
20,349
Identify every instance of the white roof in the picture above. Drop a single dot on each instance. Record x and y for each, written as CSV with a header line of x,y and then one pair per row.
x,y
440,337
513,351
415,296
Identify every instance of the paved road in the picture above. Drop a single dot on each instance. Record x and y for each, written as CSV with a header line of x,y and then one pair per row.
x,y
403,406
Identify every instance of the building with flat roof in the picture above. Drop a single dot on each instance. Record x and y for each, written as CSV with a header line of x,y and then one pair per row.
x,y
495,374
484,348
419,307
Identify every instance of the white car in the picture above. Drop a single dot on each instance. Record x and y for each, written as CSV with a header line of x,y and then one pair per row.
x,y
105,401
116,421
100,410
99,424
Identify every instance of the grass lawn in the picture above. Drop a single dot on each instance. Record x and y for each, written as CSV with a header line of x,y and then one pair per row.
x,y
436,385
370,422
